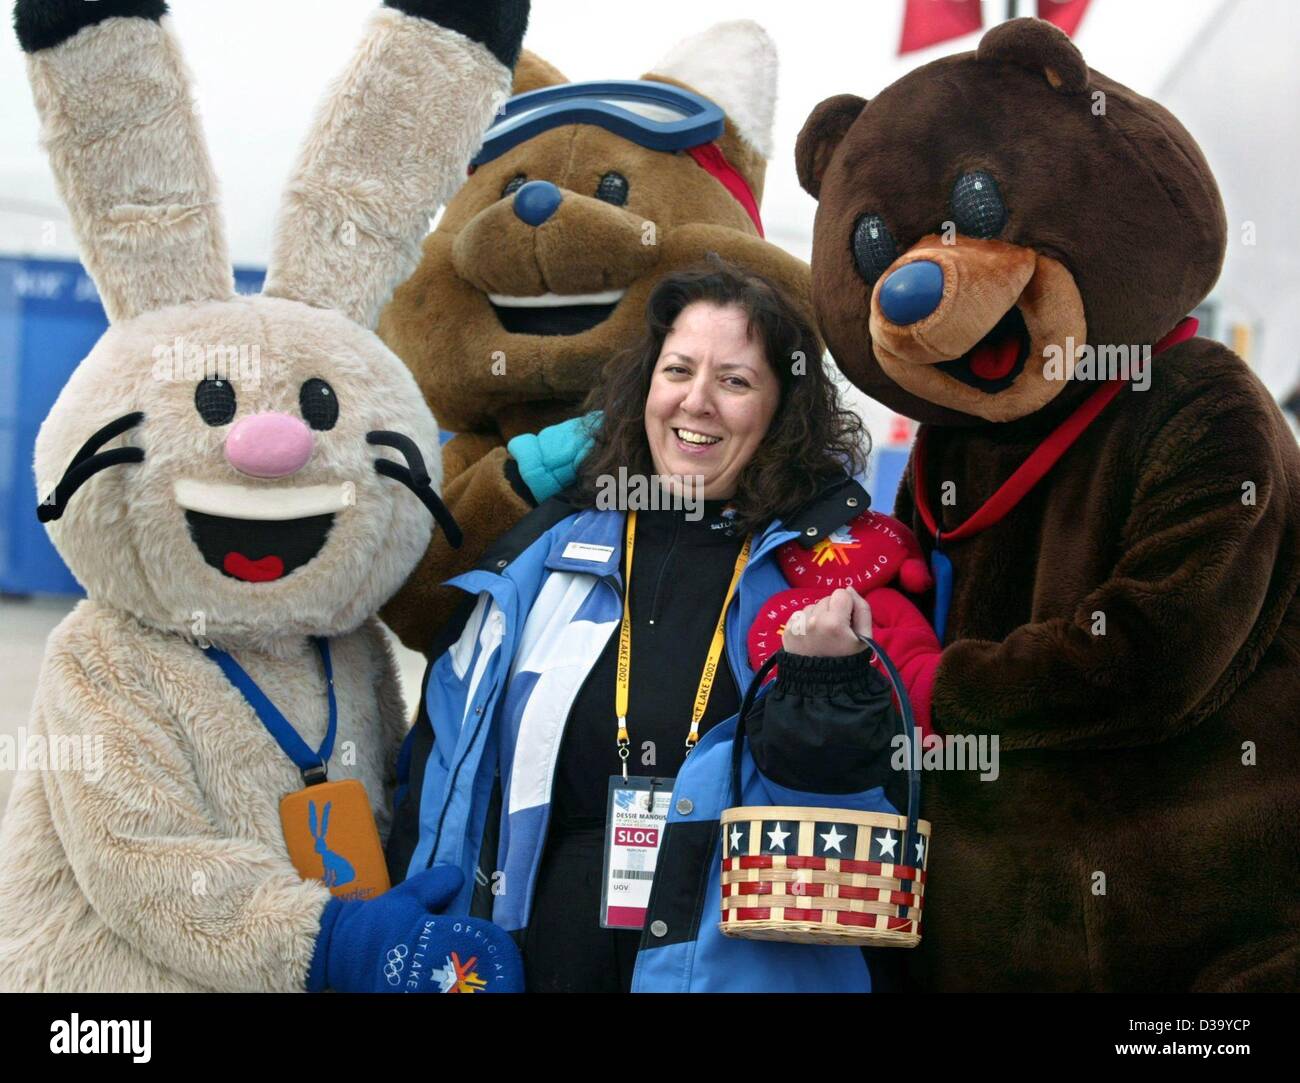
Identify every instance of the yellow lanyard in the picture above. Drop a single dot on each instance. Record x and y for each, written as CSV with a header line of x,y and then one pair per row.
x,y
622,677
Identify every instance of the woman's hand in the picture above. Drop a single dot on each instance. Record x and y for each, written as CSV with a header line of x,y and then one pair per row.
x,y
826,629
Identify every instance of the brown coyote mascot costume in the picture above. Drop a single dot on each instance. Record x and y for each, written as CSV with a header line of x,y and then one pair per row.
x,y
583,197
1117,548
236,531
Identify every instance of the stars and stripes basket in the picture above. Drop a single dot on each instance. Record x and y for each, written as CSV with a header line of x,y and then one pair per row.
x,y
824,875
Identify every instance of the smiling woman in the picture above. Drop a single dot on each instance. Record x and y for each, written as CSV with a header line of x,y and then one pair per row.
x,y
575,737
726,387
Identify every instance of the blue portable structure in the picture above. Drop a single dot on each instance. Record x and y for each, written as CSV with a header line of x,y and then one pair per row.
x,y
50,317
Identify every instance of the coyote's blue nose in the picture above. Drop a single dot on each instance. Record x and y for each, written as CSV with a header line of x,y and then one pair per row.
x,y
912,292
536,201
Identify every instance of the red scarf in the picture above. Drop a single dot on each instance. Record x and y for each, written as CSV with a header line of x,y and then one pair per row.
x,y
1040,460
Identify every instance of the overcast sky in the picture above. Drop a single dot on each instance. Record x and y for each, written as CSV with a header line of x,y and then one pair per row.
x,y
260,65
1227,68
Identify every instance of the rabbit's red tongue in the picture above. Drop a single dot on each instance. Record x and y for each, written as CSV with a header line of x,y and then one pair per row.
x,y
262,570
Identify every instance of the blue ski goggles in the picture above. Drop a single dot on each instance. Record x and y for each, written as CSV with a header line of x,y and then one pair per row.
x,y
653,115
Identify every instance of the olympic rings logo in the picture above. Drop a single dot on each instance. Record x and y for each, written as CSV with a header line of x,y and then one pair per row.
x,y
396,960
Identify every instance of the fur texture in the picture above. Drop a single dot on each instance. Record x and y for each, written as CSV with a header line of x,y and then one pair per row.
x,y
165,868
715,61
45,25
903,153
1124,753
132,167
490,384
125,536
388,147
1163,754
168,873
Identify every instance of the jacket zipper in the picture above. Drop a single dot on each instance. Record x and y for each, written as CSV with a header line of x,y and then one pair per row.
x,y
663,568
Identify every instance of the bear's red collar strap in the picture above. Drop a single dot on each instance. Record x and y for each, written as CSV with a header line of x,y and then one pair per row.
x,y
711,159
1041,459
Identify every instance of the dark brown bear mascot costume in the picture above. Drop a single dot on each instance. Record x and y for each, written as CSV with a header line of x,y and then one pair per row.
x,y
1125,619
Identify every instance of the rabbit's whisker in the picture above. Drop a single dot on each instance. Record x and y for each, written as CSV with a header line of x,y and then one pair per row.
x,y
86,464
415,476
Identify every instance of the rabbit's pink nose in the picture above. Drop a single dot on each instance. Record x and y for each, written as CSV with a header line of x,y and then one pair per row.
x,y
269,445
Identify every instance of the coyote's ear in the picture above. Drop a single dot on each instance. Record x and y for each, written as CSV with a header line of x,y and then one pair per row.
x,y
391,142
534,73
127,151
733,64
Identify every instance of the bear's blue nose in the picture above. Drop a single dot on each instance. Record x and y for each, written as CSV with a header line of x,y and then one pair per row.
x,y
911,293
536,201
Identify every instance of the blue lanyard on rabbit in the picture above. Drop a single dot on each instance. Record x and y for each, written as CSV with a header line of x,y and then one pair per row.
x,y
350,861
312,765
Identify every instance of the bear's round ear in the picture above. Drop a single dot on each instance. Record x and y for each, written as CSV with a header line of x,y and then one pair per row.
x,y
1039,46
820,135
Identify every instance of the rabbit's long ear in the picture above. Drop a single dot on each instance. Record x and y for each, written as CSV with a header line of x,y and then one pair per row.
x,y
127,152
390,143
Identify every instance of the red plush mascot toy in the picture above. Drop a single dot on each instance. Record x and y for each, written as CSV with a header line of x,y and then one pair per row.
x,y
866,555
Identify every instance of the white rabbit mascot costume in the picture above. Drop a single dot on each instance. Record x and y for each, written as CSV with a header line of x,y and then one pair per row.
x,y
239,483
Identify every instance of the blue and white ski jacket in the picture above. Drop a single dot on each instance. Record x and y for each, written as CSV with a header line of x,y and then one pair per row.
x,y
476,772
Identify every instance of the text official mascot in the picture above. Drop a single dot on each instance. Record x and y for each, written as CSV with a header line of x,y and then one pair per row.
x,y
1006,247
222,713
582,197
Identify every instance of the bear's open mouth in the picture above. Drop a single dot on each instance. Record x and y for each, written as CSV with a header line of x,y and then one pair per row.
x,y
258,550
997,360
553,313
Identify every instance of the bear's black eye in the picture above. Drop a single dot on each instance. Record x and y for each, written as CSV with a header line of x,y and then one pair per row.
x,y
513,185
319,404
977,207
215,401
612,189
873,247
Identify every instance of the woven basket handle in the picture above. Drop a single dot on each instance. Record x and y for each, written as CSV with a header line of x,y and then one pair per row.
x,y
907,723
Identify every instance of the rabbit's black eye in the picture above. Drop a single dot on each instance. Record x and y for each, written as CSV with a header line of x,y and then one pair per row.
x,y
513,185
873,247
319,404
215,401
612,189
977,207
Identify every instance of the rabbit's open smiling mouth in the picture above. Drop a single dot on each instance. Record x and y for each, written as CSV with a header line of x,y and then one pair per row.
x,y
258,550
259,534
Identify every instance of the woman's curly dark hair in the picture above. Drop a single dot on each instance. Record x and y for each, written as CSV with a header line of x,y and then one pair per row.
x,y
812,438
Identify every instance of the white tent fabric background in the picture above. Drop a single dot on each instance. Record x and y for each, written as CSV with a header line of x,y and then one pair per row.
x,y
1225,66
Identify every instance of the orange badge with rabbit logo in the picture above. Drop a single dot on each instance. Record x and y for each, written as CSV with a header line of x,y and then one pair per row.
x,y
331,837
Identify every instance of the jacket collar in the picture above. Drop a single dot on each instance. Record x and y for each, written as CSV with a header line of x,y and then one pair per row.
x,y
842,500
591,542
579,540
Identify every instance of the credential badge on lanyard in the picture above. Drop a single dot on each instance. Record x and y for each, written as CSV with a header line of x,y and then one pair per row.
x,y
329,829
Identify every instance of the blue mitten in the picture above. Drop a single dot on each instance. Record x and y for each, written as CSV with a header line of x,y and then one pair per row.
x,y
399,943
548,460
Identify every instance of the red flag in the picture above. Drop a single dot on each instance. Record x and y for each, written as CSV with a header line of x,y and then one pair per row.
x,y
928,22
1067,14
